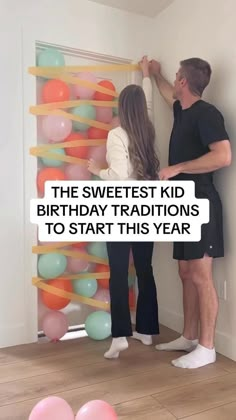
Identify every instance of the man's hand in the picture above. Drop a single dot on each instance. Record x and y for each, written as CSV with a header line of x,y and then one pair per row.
x,y
144,64
169,172
154,67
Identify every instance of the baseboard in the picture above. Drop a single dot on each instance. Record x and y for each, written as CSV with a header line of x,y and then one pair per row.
x,y
225,344
14,336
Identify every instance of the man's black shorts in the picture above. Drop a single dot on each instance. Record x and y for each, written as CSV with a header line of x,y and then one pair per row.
x,y
212,238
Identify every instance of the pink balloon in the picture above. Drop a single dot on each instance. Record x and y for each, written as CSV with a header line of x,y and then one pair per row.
x,y
96,409
55,325
42,311
98,153
77,172
103,295
77,265
52,408
104,114
84,92
115,122
56,128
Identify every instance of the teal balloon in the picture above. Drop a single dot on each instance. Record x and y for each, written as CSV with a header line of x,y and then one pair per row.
x,y
50,57
131,280
98,249
98,325
85,111
115,110
85,287
96,178
53,162
51,265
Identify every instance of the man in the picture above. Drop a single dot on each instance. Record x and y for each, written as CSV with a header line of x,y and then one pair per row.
x,y
199,145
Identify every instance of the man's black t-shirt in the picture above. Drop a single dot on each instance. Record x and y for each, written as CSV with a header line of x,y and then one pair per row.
x,y
194,129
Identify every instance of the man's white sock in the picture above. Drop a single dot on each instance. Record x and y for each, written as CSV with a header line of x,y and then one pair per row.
x,y
180,344
199,357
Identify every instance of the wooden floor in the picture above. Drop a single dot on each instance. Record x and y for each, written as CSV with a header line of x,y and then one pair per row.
x,y
142,384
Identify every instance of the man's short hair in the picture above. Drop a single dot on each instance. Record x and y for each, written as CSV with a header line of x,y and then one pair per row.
x,y
197,73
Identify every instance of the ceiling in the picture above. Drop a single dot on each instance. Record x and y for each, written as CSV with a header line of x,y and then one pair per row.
x,y
149,8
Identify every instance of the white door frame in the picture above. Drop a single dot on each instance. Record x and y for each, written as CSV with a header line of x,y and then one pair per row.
x,y
30,39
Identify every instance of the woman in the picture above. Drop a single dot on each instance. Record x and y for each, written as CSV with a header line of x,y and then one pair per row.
x,y
131,156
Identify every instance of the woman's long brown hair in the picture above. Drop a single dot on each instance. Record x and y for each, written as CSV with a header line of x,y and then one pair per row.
x,y
134,119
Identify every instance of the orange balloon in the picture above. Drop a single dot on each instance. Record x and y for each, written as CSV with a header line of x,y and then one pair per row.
x,y
55,91
101,268
56,302
80,245
99,96
80,152
97,133
49,174
132,299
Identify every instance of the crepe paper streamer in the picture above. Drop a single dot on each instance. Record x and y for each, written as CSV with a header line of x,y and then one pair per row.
x,y
84,276
72,296
47,249
79,69
61,158
72,104
36,111
46,151
74,254
72,143
77,81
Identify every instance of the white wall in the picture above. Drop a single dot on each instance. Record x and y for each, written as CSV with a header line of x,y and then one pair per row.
x,y
203,28
72,23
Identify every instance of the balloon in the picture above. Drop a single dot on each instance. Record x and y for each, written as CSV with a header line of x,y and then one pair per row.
x,y
55,91
80,245
104,114
101,268
50,57
104,96
115,122
56,128
96,409
131,279
52,301
51,265
103,295
97,133
52,408
96,178
54,162
85,111
132,299
85,287
77,172
98,249
80,151
83,92
98,153
115,110
55,325
77,265
98,325
49,174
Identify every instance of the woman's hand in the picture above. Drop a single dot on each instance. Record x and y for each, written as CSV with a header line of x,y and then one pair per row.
x,y
93,167
144,64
